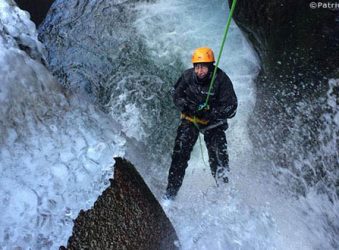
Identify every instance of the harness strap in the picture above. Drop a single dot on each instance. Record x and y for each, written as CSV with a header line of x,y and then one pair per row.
x,y
215,125
193,119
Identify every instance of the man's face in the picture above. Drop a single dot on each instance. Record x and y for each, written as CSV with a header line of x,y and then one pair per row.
x,y
201,70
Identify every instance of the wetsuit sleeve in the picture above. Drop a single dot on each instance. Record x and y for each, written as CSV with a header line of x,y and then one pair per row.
x,y
179,95
227,101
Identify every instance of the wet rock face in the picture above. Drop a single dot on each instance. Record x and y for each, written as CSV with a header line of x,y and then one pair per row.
x,y
298,46
36,8
125,216
281,29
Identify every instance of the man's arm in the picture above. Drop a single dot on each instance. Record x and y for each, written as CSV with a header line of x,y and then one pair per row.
x,y
227,102
179,95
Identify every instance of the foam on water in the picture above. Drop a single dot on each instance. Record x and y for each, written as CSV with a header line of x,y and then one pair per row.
x,y
251,212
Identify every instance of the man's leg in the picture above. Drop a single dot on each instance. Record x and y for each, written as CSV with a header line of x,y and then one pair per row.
x,y
187,135
216,144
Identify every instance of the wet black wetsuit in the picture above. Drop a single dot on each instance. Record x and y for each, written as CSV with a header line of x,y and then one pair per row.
x,y
189,92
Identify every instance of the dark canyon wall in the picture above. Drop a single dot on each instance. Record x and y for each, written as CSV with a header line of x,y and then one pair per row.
x,y
294,117
37,8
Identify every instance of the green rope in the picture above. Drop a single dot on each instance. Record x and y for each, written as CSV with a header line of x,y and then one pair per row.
x,y
219,56
214,73
202,152
200,143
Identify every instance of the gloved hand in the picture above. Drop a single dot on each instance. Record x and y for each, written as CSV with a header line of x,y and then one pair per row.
x,y
203,107
181,104
192,108
211,117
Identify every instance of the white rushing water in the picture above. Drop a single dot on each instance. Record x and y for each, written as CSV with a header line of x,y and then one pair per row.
x,y
251,212
56,149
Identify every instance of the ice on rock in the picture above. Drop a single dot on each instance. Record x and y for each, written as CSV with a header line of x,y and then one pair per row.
x,y
44,136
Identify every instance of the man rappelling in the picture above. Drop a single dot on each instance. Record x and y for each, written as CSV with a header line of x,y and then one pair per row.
x,y
205,108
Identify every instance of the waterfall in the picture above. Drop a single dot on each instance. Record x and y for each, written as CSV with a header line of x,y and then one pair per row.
x,y
114,64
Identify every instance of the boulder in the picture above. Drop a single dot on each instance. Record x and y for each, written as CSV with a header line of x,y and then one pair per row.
x,y
125,216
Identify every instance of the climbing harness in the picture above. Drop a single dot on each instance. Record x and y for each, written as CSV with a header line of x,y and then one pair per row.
x,y
219,55
193,119
222,122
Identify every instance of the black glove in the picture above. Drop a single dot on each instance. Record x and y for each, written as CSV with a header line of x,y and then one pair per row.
x,y
191,109
211,117
181,104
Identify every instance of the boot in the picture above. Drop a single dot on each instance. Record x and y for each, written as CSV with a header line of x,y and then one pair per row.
x,y
221,175
170,194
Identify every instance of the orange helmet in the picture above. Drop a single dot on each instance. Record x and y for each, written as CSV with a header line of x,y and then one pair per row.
x,y
203,55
